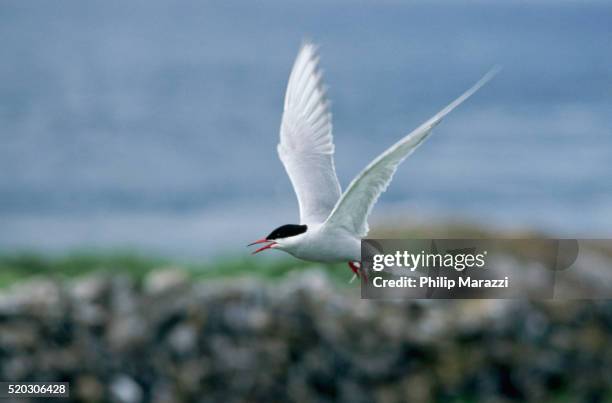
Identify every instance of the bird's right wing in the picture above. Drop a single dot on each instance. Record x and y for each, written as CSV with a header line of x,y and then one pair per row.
x,y
352,210
306,145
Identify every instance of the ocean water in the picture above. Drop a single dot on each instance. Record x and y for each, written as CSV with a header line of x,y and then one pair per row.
x,y
153,125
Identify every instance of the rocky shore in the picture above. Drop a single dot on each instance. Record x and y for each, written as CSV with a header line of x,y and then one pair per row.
x,y
170,339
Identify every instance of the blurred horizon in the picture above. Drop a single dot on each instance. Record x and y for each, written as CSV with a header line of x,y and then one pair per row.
x,y
154,125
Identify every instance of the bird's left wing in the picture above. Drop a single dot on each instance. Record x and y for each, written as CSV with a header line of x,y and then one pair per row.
x,y
352,210
306,145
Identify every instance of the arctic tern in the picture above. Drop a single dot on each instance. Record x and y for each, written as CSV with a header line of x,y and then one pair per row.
x,y
332,223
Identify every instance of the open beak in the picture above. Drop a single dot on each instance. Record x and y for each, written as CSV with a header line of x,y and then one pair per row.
x,y
264,240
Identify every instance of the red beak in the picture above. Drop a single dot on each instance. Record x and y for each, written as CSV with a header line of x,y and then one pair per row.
x,y
264,240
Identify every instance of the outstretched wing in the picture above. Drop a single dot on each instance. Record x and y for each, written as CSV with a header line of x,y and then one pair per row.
x,y
352,210
306,145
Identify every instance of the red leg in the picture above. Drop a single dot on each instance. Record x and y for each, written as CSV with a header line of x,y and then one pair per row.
x,y
355,268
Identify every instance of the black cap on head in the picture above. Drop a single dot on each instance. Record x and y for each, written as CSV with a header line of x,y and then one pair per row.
x,y
286,231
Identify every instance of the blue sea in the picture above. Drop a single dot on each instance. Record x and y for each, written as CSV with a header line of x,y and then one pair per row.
x,y
153,124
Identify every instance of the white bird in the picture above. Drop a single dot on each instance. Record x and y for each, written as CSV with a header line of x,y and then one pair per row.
x,y
332,223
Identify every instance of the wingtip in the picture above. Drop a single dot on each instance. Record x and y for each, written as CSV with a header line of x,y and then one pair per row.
x,y
478,85
307,40
495,70
309,45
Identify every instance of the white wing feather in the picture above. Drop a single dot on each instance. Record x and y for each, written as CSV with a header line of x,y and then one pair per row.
x,y
352,210
306,145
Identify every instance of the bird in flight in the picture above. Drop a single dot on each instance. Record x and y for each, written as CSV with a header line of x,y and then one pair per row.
x,y
332,222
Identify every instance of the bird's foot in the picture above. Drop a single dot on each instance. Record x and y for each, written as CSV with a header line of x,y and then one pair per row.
x,y
356,268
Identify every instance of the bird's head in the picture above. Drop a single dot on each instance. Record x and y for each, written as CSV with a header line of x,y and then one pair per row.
x,y
282,237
